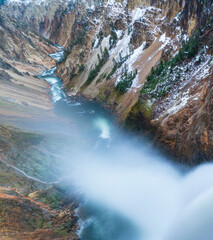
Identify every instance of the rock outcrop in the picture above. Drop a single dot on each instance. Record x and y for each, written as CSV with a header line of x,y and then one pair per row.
x,y
175,106
23,55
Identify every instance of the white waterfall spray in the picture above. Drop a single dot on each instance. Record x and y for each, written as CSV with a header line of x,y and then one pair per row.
x,y
140,185
144,188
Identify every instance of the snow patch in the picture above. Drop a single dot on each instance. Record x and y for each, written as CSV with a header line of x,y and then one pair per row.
x,y
163,38
192,75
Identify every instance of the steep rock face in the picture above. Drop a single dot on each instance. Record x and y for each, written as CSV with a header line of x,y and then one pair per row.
x,y
196,14
37,16
175,106
170,7
21,45
180,122
131,31
49,17
23,56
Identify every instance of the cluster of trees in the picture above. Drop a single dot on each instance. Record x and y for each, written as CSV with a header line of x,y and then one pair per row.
x,y
100,38
81,68
117,65
79,40
74,71
156,71
113,39
188,50
126,80
101,61
72,74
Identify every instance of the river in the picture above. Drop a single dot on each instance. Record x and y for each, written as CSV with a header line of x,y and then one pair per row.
x,y
131,192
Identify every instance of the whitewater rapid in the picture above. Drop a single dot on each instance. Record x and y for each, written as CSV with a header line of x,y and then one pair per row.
x,y
132,192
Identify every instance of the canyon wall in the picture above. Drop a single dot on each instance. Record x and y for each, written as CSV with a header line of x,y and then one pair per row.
x,y
23,56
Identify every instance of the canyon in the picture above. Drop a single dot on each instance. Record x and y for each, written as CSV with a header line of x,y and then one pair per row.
x,y
137,35
150,63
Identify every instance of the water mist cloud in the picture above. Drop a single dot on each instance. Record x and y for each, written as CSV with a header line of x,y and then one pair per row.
x,y
133,181
141,185
135,184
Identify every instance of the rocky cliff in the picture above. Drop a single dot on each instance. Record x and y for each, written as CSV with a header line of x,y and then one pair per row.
x,y
23,55
175,105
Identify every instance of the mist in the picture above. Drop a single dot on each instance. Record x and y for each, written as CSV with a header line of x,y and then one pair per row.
x,y
139,184
130,190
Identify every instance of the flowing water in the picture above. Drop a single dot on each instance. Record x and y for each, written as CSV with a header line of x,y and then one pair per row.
x,y
130,191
